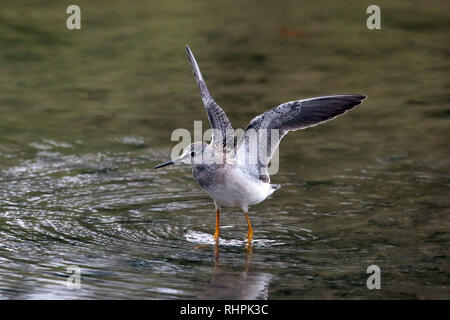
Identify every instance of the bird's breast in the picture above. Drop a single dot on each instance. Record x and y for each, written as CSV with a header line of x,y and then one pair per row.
x,y
229,186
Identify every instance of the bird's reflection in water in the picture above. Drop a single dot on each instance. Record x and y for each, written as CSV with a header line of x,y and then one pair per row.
x,y
245,285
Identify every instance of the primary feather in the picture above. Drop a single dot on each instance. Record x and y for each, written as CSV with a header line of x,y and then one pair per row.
x,y
267,129
223,133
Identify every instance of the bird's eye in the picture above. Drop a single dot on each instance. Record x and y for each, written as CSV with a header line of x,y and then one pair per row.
x,y
192,153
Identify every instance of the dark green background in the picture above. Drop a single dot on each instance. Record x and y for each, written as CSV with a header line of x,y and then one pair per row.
x,y
86,114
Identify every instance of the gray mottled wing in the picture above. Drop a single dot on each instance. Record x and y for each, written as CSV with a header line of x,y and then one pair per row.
x,y
264,133
223,133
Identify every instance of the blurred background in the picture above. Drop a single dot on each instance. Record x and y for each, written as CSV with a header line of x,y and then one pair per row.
x,y
86,114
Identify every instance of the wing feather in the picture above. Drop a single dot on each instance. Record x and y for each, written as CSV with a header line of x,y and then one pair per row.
x,y
270,127
223,133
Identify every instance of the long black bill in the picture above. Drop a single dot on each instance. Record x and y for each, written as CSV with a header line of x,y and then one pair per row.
x,y
168,163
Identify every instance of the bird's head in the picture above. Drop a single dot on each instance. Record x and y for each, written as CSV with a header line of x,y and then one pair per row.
x,y
194,154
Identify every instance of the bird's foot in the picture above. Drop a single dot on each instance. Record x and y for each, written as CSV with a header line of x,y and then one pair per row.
x,y
250,235
249,241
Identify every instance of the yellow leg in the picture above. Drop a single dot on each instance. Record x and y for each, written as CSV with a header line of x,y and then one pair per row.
x,y
217,233
250,229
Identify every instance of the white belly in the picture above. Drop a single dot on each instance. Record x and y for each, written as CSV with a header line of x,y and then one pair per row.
x,y
238,190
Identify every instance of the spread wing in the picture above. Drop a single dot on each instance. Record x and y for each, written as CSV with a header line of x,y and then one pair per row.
x,y
264,133
223,133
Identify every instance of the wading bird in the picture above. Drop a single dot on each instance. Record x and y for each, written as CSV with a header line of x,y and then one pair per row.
x,y
235,174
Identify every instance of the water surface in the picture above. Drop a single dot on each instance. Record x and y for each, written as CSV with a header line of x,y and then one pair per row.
x,y
85,115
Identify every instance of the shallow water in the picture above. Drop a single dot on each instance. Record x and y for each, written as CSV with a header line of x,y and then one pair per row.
x,y
85,115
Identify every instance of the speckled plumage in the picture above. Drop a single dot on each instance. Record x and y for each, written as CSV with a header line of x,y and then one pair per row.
x,y
236,174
